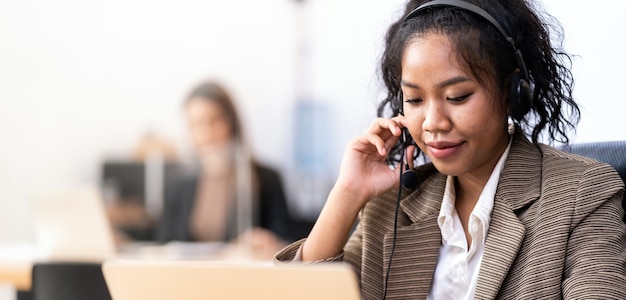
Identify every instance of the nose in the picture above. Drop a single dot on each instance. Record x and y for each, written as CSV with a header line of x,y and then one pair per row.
x,y
436,117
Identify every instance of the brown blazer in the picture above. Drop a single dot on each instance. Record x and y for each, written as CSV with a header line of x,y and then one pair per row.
x,y
556,232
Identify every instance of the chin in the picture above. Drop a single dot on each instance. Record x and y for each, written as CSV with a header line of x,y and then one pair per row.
x,y
448,168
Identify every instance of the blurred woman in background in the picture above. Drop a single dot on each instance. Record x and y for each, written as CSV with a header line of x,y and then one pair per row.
x,y
232,196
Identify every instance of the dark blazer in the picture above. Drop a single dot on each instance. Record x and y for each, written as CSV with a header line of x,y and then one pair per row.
x,y
556,232
271,211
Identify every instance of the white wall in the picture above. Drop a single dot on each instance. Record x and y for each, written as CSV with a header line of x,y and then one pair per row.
x,y
592,33
82,80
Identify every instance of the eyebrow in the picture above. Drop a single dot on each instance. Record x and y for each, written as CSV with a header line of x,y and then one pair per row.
x,y
445,83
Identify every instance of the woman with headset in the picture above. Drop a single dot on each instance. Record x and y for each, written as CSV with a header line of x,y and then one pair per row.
x,y
493,213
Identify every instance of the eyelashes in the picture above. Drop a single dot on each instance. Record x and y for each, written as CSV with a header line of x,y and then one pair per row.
x,y
451,99
458,99
413,101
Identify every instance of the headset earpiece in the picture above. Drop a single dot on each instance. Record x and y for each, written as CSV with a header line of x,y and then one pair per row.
x,y
400,102
409,177
520,96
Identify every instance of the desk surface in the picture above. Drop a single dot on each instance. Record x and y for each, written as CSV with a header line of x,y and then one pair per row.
x,y
16,261
16,274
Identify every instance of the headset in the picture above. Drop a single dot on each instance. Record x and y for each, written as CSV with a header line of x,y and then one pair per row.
x,y
520,96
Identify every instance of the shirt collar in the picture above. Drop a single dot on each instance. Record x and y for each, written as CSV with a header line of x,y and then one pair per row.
x,y
481,215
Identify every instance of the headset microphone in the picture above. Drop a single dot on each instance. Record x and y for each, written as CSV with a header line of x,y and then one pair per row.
x,y
409,179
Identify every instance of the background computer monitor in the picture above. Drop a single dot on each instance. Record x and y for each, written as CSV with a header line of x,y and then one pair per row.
x,y
138,184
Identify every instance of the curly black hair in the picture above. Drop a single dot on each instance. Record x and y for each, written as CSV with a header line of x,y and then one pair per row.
x,y
485,53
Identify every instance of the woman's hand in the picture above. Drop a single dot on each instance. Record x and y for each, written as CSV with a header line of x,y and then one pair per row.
x,y
364,174
364,171
262,243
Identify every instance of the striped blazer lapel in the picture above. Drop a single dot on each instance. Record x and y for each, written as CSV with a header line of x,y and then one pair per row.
x,y
519,185
504,240
417,243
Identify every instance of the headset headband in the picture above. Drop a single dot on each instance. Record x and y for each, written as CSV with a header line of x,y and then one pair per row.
x,y
480,12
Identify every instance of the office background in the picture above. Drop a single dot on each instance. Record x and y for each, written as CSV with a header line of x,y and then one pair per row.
x,y
83,81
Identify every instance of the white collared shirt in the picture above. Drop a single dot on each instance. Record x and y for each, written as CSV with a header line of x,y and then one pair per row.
x,y
456,274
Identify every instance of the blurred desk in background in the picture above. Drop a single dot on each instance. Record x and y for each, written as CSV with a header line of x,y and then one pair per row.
x,y
17,260
16,263
16,274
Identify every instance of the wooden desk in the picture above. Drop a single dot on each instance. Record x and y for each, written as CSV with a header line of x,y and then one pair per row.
x,y
16,264
16,274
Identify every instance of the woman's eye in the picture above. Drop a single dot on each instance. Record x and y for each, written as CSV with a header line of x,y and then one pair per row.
x,y
458,99
413,101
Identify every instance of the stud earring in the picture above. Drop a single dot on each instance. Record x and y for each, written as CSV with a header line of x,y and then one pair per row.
x,y
510,126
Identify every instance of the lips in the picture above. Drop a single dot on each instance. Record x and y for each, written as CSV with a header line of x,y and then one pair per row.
x,y
444,149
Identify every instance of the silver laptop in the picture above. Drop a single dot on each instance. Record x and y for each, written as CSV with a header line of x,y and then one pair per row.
x,y
165,280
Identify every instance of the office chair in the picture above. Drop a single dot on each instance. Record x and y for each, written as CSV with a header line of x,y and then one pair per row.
x,y
610,152
68,281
